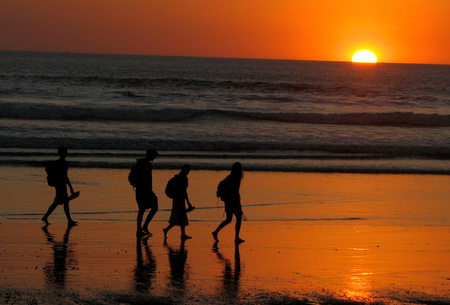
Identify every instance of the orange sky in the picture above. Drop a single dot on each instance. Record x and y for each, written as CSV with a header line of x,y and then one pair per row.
x,y
404,31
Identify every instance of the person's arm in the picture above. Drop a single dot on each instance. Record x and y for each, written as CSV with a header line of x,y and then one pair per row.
x,y
69,184
187,200
67,178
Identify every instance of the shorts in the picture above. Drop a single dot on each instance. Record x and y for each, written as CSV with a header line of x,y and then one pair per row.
x,y
233,207
146,199
61,196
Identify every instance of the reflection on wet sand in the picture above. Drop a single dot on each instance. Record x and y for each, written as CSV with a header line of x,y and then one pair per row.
x,y
359,286
178,272
230,278
145,269
63,258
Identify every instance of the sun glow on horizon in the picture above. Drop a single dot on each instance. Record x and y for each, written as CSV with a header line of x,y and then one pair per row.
x,y
364,56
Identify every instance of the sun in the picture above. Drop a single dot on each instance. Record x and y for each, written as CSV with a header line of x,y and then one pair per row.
x,y
364,56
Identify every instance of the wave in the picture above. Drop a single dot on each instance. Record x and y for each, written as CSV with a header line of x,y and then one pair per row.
x,y
300,166
195,150
177,82
217,149
362,119
30,111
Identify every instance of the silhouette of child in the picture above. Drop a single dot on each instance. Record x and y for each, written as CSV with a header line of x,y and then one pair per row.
x,y
178,216
145,197
232,200
61,180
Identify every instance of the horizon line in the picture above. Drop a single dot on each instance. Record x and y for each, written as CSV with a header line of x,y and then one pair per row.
x,y
224,57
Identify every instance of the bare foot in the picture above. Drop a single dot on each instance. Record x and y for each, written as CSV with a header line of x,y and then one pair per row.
x,y
239,241
140,234
44,219
146,232
214,234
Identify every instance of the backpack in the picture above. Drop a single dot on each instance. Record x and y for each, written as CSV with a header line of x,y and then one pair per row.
x,y
172,187
52,173
133,176
223,189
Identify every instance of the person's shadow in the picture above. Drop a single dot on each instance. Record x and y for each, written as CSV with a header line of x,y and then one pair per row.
x,y
63,258
178,273
145,269
230,278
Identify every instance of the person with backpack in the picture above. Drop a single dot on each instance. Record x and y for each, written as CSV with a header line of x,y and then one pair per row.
x,y
228,192
58,178
141,179
177,190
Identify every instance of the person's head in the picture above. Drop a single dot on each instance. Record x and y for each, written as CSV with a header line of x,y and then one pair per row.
x,y
185,169
236,171
151,154
62,151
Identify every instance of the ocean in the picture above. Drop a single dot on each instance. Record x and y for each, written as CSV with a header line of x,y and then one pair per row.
x,y
271,115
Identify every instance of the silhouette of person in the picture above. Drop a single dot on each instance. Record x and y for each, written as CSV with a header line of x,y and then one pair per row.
x,y
145,197
63,256
61,180
232,201
178,215
230,278
145,269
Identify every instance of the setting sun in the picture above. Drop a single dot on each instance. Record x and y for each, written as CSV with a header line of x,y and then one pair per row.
x,y
364,56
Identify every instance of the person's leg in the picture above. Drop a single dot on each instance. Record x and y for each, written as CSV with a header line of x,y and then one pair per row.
x,y
59,198
67,211
149,218
170,226
153,204
50,210
140,215
238,228
222,225
183,233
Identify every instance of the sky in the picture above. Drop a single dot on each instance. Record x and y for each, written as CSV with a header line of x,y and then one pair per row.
x,y
397,31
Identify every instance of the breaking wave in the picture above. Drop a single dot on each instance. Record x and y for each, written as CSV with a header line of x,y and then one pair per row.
x,y
30,111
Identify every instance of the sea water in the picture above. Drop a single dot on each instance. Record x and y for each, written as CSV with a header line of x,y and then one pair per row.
x,y
272,115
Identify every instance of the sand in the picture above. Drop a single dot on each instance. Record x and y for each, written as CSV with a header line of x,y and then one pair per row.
x,y
310,239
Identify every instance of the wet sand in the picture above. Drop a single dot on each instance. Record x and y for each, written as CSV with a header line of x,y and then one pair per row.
x,y
326,250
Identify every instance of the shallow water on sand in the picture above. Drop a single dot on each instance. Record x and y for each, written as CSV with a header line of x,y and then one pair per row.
x,y
364,199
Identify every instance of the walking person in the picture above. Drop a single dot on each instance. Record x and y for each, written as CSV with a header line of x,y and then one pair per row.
x,y
141,178
177,190
228,191
57,177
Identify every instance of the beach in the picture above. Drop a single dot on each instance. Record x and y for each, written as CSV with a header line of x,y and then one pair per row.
x,y
310,238
345,190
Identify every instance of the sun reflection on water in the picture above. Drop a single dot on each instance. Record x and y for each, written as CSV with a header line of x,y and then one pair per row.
x,y
360,286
